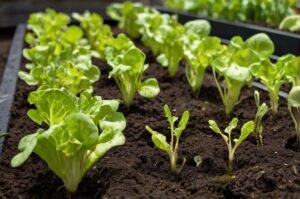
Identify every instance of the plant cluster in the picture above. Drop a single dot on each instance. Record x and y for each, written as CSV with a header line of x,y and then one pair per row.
x,y
58,54
263,11
126,60
81,128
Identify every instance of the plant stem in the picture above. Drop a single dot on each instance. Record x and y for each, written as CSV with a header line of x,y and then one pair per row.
x,y
274,102
230,163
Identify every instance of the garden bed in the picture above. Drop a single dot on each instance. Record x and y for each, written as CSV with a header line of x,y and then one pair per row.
x,y
139,170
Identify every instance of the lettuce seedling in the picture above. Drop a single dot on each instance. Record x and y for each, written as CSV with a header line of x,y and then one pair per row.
x,y
262,109
291,23
127,15
236,72
294,109
246,130
272,76
160,140
128,67
75,78
81,131
171,49
235,66
292,69
46,26
199,54
98,34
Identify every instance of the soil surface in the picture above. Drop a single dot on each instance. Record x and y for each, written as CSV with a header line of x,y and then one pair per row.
x,y
139,170
5,42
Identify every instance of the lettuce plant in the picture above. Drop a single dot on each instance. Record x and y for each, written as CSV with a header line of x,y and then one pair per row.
x,y
236,72
127,15
246,130
169,38
128,67
160,140
262,109
291,23
81,130
199,54
46,26
294,109
236,63
68,75
97,33
272,76
292,69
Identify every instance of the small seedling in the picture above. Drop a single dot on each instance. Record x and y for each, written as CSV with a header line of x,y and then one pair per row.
x,y
160,140
294,108
262,109
246,130
198,160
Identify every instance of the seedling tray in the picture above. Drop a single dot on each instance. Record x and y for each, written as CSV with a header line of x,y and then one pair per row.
x,y
137,169
285,42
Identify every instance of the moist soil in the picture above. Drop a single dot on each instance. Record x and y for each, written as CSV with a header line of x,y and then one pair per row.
x,y
139,170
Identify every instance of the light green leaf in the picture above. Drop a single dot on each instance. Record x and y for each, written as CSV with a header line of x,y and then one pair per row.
x,y
262,44
247,129
232,125
159,140
149,88
214,126
182,124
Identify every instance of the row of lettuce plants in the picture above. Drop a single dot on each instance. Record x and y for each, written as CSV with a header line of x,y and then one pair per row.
x,y
81,128
234,65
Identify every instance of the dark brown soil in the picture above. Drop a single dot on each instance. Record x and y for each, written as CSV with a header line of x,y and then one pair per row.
x,y
138,170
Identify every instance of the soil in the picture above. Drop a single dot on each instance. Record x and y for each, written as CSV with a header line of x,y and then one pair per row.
x,y
5,42
139,170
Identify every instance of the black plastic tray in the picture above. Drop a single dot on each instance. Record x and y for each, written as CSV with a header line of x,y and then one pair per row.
x,y
10,77
285,42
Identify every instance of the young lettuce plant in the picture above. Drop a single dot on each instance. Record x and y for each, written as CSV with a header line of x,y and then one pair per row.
x,y
246,130
199,54
160,140
127,15
235,66
46,26
294,109
291,23
75,78
128,67
98,34
81,130
292,69
272,76
262,109
235,69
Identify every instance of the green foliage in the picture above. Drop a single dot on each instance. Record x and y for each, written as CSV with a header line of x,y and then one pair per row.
x,y
272,76
246,130
235,65
46,26
59,56
128,67
291,23
294,109
200,54
262,109
127,15
266,11
98,34
292,69
81,130
160,140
